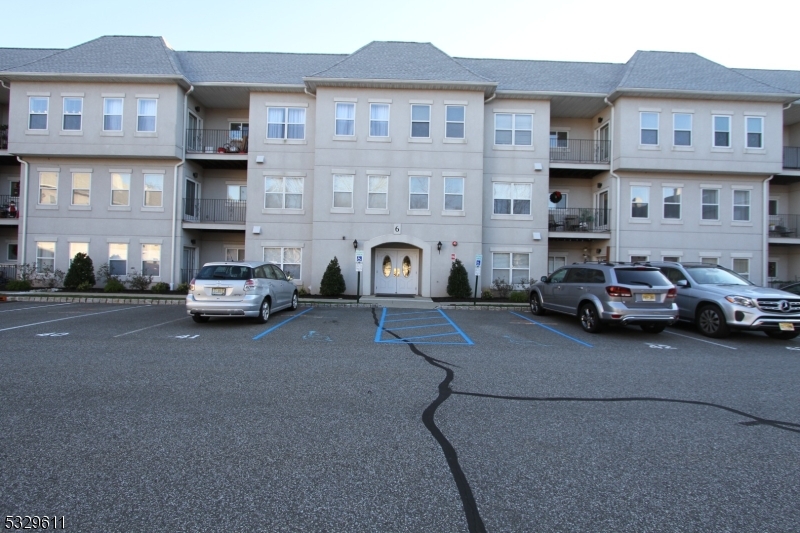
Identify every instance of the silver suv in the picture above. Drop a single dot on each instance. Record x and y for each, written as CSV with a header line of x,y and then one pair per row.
x,y
244,288
719,300
608,293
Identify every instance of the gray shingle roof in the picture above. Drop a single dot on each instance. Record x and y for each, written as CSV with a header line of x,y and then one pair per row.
x,y
12,57
388,60
788,80
547,76
110,55
253,67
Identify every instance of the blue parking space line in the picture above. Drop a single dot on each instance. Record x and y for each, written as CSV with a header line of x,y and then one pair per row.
x,y
273,328
416,327
464,335
552,329
406,339
380,326
415,313
408,319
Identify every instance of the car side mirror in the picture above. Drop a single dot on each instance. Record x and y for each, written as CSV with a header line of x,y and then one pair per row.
x,y
682,283
543,278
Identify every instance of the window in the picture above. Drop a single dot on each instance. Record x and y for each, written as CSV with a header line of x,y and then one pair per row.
x,y
772,269
146,114
722,131
379,120
554,262
11,251
772,207
81,188
454,121
512,198
640,202
559,139
512,268
710,204
73,113
153,190
237,193
151,260
671,258
118,259
513,129
38,109
421,121
741,206
286,123
234,254
283,193
343,191
48,188
710,260
560,204
120,189
112,114
378,192
672,202
454,194
682,129
639,259
755,132
238,130
649,128
345,119
418,187
742,267
76,248
45,256
289,259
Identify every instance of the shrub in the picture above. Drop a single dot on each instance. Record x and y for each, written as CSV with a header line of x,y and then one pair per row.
x,y
303,292
501,287
80,272
160,287
139,282
518,297
85,286
458,281
114,285
183,288
332,283
486,294
18,285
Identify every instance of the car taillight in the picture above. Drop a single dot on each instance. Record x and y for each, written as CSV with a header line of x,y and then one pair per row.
x,y
672,293
191,285
250,285
613,290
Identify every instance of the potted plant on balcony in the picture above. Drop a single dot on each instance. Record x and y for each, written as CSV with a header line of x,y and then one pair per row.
x,y
586,218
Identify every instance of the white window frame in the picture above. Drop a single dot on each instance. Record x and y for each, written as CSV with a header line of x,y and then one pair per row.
x,y
774,268
671,258
675,129
418,121
340,187
88,189
555,142
240,189
639,258
510,269
106,114
747,132
372,120
140,116
642,129
564,201
426,194
551,262
714,131
76,248
447,122
664,195
126,182
454,179
8,251
148,253
347,123
703,204
151,192
513,199
31,113
746,273
285,123
371,192
710,260
119,246
514,129
646,201
48,187
735,205
238,251
40,258
66,114
283,192
282,264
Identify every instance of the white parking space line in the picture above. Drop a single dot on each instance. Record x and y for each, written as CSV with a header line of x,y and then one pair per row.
x,y
77,316
148,327
699,340
34,307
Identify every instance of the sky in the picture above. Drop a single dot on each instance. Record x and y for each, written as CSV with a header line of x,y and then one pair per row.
x,y
762,34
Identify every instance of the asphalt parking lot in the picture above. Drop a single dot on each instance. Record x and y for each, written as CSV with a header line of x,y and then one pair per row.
x,y
134,418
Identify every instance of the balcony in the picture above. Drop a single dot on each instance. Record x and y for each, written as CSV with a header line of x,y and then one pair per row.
x,y
3,136
783,227
579,222
224,149
578,158
791,157
9,209
201,213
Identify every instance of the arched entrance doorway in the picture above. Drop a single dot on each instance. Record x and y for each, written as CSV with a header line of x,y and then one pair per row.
x,y
396,271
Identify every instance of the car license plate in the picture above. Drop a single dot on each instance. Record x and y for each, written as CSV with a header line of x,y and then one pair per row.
x,y
218,291
648,297
786,326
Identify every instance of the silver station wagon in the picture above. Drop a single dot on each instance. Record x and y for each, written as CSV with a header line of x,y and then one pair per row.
x,y
244,288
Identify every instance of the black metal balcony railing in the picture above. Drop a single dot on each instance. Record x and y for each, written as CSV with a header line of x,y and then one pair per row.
x,y
579,151
791,157
579,219
785,226
9,206
3,136
216,142
214,211
8,272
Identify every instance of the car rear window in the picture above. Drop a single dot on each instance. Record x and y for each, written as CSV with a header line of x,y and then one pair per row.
x,y
225,272
641,276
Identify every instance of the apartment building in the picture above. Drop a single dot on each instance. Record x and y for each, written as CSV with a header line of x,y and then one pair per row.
x,y
159,160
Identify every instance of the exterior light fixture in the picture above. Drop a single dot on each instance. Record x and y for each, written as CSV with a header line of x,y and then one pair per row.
x,y
439,246
355,244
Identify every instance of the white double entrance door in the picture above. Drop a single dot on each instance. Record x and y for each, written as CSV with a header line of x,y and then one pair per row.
x,y
396,271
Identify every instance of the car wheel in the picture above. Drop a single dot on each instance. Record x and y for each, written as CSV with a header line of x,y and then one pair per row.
x,y
590,320
263,313
294,301
711,322
653,328
782,335
200,319
536,305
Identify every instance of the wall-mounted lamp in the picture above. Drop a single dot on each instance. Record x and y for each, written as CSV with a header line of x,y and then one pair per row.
x,y
599,120
193,241
355,244
194,174
439,246
585,251
599,250
600,185
197,108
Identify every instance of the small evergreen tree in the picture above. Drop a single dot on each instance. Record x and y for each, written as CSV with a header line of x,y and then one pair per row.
x,y
458,282
81,272
332,283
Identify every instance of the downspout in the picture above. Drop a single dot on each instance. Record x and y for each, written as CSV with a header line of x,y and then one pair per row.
x,y
490,98
312,95
617,199
176,201
4,86
765,233
24,211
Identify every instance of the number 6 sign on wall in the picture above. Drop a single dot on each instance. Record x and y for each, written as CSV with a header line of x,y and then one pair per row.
x,y
397,229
